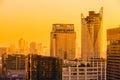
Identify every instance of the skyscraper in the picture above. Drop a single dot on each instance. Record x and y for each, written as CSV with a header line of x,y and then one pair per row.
x,y
113,54
62,42
91,35
22,44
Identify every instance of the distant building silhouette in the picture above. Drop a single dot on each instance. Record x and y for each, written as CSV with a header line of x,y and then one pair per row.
x,y
91,27
33,48
11,49
63,40
36,48
22,46
113,54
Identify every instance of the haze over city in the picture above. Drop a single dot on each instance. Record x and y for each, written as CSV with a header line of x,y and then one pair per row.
x,y
59,40
32,19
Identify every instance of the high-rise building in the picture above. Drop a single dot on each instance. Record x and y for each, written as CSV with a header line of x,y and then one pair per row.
x,y
33,48
43,68
95,69
62,42
36,48
22,46
91,35
113,54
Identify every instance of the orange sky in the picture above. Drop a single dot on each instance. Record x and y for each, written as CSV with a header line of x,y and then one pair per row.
x,y
32,19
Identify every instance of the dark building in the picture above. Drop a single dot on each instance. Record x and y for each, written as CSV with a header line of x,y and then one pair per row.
x,y
113,54
14,78
0,70
43,68
13,65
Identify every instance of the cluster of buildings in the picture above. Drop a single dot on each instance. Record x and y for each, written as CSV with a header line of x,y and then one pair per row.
x,y
28,63
30,67
91,66
23,48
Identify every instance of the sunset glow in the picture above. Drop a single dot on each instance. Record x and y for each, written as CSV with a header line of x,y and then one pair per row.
x,y
32,19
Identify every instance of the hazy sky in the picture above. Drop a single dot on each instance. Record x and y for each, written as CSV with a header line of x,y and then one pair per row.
x,y
32,19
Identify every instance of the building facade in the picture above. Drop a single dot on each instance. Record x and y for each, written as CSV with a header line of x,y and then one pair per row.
x,y
95,69
91,27
43,68
113,54
0,70
13,66
62,43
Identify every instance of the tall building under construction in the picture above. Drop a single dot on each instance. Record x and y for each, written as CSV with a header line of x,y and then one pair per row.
x,y
91,27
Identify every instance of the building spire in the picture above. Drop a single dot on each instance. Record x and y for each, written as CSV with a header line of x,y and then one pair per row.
x,y
101,11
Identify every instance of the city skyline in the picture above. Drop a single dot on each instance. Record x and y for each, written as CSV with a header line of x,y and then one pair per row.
x,y
31,19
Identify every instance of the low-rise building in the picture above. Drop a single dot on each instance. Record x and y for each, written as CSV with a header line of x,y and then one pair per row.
x,y
95,69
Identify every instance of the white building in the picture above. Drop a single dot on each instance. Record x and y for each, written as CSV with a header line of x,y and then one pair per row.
x,y
78,70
